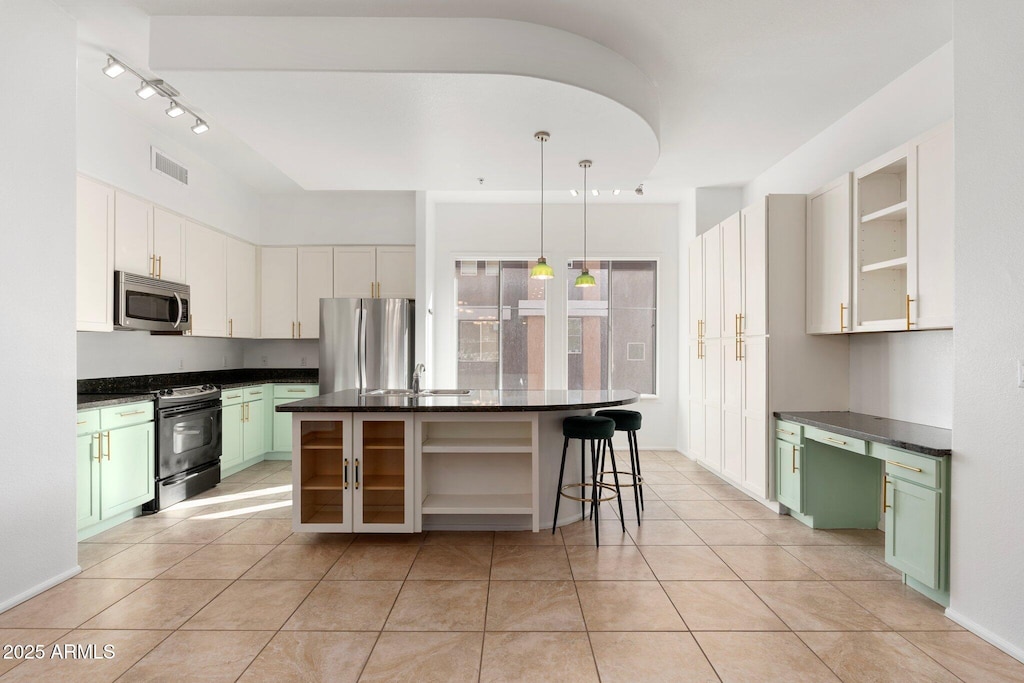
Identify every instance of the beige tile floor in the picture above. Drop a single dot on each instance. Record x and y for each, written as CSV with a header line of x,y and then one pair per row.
x,y
712,587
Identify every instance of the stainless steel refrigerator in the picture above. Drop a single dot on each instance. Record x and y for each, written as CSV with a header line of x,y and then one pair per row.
x,y
366,344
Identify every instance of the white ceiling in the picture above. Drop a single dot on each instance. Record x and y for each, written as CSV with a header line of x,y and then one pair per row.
x,y
740,83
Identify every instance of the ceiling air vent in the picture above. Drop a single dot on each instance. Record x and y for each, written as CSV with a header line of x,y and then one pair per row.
x,y
164,164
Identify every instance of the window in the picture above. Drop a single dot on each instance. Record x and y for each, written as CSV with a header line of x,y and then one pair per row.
x,y
500,313
611,327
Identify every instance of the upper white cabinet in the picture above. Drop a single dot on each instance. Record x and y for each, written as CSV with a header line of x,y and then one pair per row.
x,y
695,326
375,272
292,282
206,258
241,288
94,231
829,231
903,237
148,240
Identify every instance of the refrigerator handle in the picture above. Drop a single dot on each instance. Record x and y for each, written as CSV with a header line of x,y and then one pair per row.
x,y
361,347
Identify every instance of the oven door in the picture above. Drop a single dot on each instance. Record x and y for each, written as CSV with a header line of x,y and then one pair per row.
x,y
187,437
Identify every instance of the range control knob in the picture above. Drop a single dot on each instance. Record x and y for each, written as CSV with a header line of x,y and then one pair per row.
x,y
164,392
208,387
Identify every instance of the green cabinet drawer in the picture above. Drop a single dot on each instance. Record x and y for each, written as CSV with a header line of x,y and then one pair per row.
x,y
88,422
253,393
230,397
295,392
919,469
788,431
913,530
126,415
828,438
789,475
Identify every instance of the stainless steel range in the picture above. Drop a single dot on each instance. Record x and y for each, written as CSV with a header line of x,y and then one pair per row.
x,y
188,443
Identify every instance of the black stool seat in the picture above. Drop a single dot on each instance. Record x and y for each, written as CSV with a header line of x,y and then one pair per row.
x,y
625,420
588,427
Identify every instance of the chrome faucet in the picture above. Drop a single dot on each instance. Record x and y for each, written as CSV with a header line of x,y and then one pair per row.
x,y
420,368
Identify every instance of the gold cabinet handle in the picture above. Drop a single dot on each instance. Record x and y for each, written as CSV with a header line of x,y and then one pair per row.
x,y
909,301
885,494
785,431
906,467
231,327
371,290
357,473
837,441
245,412
842,317
134,412
739,349
160,267
99,446
152,265
300,329
256,393
296,391
230,398
293,329
793,458
82,422
108,445
345,471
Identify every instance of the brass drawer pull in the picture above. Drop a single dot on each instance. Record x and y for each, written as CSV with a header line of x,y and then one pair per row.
x,y
793,458
296,391
906,467
134,412
837,441
82,422
885,494
256,393
783,431
233,397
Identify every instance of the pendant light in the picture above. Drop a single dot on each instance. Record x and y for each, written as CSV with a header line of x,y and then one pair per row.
x,y
585,279
542,271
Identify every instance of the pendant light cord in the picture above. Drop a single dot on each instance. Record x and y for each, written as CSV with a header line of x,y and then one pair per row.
x,y
542,198
585,219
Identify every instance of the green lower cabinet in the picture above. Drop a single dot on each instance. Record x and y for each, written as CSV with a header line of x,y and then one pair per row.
x,y
253,433
231,436
282,427
126,472
788,475
913,530
88,480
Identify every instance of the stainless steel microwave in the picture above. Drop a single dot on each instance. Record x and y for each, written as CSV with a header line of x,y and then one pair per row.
x,y
146,303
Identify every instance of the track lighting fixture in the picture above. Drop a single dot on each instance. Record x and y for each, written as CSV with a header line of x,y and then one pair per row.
x,y
155,86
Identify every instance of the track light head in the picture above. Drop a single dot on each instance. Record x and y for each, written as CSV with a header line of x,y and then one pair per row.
x,y
114,68
175,110
639,190
146,90
200,127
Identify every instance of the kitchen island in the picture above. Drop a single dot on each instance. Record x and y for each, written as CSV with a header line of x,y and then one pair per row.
x,y
387,463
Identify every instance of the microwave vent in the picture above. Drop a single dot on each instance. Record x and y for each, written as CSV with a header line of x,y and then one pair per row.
x,y
164,164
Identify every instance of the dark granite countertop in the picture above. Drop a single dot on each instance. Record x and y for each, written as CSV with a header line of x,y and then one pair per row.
x,y
477,401
89,401
909,436
110,391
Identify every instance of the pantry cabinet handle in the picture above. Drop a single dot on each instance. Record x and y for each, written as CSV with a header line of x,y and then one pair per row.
x,y
841,443
906,467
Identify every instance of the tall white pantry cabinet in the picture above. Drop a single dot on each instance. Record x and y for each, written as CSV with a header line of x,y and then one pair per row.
x,y
748,353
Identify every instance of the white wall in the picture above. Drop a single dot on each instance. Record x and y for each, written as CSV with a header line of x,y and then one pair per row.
x,y
714,204
687,232
902,376
614,231
281,353
114,146
115,354
37,353
987,557
338,218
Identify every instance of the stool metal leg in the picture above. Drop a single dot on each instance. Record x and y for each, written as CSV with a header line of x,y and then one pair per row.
x,y
618,489
583,479
558,491
595,504
634,450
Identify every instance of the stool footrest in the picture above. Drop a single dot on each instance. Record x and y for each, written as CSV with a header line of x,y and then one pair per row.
x,y
584,486
637,480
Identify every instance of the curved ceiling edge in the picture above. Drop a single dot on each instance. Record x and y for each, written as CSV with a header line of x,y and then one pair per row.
x,y
401,45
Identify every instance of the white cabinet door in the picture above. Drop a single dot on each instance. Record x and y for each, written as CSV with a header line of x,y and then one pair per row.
x,y
732,276
732,408
755,270
241,288
315,282
355,272
930,277
713,404
396,272
829,237
205,258
695,354
94,237
278,280
168,245
696,294
713,282
755,415
133,232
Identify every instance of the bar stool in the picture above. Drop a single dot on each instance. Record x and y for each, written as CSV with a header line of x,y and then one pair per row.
x,y
595,430
628,421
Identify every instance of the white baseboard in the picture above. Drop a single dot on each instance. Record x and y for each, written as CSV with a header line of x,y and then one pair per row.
x,y
39,588
983,633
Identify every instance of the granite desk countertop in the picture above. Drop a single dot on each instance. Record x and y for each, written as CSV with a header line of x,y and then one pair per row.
x,y
909,436
350,400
